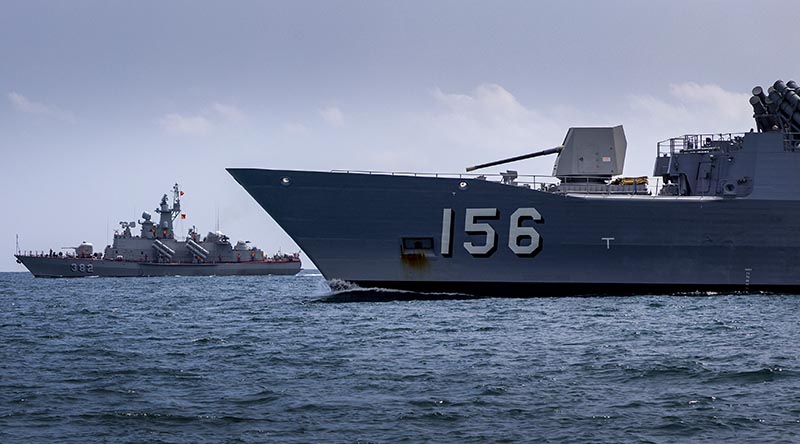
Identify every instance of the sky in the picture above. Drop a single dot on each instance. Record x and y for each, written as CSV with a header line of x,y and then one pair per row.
x,y
104,105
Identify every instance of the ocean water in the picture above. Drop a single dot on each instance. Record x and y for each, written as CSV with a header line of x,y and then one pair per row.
x,y
273,359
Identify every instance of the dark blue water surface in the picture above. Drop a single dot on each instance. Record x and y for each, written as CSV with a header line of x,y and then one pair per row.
x,y
256,359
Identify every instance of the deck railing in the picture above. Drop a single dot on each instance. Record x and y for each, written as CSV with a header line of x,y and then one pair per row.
x,y
695,142
707,142
37,253
532,181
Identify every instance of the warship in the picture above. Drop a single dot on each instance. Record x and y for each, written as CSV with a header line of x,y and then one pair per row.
x,y
156,252
722,216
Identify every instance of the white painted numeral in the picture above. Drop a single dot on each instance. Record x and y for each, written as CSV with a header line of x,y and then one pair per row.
x,y
516,232
83,268
447,232
472,227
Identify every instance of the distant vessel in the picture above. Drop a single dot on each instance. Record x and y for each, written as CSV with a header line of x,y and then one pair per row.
x,y
156,252
725,218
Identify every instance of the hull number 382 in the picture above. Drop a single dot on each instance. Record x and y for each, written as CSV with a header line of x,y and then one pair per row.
x,y
523,240
82,268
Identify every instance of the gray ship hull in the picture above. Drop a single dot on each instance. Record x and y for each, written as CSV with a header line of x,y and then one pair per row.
x,y
357,228
45,266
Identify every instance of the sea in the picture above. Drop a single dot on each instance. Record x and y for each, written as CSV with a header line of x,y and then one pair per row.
x,y
279,359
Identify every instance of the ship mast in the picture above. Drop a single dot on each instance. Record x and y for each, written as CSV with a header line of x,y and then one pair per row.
x,y
176,201
168,215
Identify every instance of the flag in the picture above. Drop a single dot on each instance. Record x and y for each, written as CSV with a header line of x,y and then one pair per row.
x,y
181,193
183,215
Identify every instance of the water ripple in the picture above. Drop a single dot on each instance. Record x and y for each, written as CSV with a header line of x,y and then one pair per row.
x,y
257,359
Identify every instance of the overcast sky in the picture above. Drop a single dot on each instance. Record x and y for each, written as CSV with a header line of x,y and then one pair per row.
x,y
105,104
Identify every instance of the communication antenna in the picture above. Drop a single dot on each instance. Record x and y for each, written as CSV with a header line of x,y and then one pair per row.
x,y
17,243
176,201
217,210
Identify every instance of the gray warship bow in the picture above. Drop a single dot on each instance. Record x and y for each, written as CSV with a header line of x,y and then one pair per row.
x,y
722,216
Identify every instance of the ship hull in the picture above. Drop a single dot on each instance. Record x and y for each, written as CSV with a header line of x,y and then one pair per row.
x,y
355,228
58,267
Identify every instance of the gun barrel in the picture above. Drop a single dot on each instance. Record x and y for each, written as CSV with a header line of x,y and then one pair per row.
x,y
517,158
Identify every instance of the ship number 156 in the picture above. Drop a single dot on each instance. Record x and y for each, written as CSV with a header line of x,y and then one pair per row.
x,y
523,240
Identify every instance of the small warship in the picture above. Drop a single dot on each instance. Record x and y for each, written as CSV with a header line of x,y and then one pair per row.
x,y
721,216
156,252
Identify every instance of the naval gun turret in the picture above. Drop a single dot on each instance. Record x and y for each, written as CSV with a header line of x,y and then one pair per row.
x,y
586,162
85,249
591,155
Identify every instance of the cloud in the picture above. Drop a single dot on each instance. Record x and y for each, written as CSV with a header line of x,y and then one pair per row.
x,y
215,115
490,120
21,103
178,124
25,105
332,115
229,113
695,107
489,103
729,104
